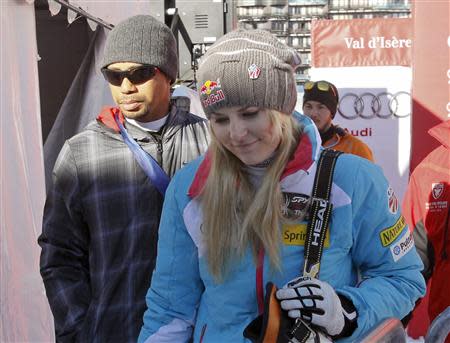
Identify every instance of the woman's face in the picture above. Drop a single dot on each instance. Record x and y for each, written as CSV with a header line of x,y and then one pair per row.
x,y
319,113
247,132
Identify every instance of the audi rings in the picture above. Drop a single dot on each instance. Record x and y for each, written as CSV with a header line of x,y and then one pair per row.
x,y
368,105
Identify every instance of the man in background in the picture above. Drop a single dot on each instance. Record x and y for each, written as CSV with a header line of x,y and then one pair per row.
x,y
320,102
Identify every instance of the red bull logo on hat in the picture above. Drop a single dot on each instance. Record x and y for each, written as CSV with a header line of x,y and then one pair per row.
x,y
212,91
209,86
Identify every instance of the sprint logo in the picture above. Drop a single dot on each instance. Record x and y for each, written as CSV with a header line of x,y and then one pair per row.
x,y
295,234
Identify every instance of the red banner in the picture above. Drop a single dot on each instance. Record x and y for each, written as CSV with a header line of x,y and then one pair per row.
x,y
361,42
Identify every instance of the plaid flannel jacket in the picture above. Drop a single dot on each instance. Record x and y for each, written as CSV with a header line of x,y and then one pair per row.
x,y
100,227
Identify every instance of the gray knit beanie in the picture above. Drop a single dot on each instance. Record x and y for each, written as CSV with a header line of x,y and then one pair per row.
x,y
248,68
143,39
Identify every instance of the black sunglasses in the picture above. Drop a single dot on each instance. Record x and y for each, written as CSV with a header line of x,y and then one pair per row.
x,y
135,75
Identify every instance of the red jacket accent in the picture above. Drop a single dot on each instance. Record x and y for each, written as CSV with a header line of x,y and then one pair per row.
x,y
426,209
106,117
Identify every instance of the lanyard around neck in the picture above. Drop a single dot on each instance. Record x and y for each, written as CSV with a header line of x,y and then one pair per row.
x,y
151,168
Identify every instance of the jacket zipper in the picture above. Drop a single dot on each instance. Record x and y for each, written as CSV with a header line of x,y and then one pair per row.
x,y
202,333
159,147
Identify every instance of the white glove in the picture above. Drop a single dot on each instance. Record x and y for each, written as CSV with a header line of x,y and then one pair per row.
x,y
316,302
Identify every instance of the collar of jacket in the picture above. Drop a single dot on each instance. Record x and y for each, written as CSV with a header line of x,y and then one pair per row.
x,y
442,133
304,156
106,119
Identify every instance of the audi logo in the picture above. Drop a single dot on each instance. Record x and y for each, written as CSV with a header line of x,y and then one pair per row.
x,y
368,105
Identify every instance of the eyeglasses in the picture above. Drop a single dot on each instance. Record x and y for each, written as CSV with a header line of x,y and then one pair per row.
x,y
135,75
321,85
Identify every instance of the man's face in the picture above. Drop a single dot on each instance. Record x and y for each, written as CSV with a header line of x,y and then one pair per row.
x,y
145,101
319,113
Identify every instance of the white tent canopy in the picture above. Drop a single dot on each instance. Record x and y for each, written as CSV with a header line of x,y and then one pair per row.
x,y
25,314
110,12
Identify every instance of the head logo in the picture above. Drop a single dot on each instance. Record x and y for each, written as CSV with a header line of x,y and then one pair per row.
x,y
397,250
254,71
209,86
392,201
437,189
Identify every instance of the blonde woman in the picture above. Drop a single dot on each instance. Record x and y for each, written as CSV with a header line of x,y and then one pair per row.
x,y
235,219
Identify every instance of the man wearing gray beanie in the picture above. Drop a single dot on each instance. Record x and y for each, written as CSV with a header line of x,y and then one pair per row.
x,y
102,212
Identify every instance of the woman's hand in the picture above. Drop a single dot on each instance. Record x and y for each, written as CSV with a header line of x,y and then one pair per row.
x,y
316,302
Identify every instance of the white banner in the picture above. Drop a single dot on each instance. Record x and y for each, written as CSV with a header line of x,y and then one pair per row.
x,y
369,62
375,106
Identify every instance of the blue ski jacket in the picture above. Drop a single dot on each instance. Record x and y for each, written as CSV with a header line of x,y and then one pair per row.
x,y
369,254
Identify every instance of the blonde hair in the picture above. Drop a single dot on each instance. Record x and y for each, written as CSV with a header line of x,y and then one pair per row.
x,y
235,215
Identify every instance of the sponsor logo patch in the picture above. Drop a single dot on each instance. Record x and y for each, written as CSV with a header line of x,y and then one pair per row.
x,y
390,234
295,234
295,206
209,86
212,92
399,249
392,201
437,189
319,221
254,71
436,206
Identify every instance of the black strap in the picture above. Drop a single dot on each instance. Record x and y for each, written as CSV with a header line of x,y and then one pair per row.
x,y
324,174
320,212
300,332
150,166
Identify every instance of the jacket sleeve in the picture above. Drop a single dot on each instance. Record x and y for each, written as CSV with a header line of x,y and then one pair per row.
x,y
64,259
362,149
412,207
383,252
176,286
366,153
